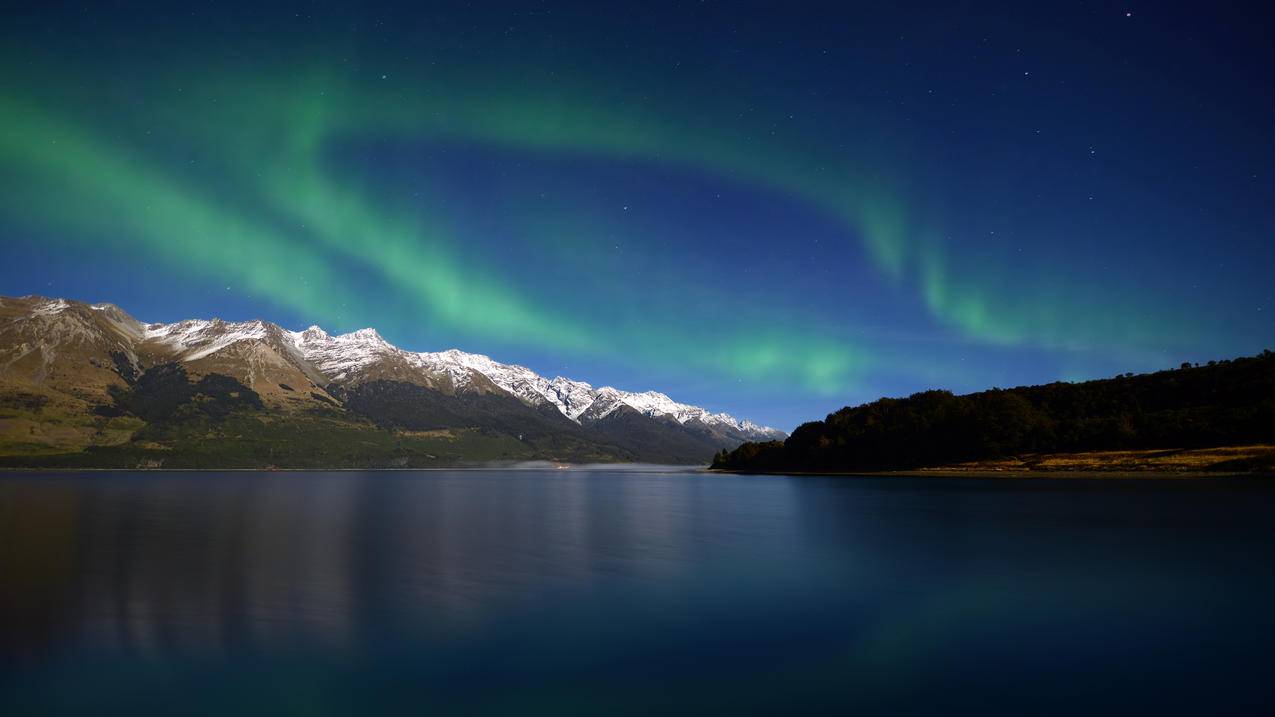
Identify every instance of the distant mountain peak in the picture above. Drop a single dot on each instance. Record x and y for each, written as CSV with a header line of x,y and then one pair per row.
x,y
574,399
367,334
364,355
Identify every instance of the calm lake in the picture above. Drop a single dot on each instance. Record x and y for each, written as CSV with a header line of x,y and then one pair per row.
x,y
605,592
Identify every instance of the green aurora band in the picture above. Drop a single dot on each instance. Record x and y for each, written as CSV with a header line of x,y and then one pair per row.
x,y
266,134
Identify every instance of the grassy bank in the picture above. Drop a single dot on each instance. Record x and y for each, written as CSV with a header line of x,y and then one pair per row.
x,y
1164,463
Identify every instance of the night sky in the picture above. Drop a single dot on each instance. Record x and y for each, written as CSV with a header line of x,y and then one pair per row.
x,y
774,209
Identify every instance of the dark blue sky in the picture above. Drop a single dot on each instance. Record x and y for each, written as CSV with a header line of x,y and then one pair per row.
x,y
772,209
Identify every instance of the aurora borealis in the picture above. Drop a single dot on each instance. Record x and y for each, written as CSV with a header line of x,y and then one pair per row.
x,y
770,210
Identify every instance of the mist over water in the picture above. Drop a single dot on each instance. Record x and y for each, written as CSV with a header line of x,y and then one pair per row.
x,y
630,592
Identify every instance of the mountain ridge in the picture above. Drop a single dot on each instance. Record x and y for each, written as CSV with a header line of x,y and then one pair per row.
x,y
91,354
365,344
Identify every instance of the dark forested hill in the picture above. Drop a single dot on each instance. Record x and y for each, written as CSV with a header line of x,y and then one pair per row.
x,y
1219,404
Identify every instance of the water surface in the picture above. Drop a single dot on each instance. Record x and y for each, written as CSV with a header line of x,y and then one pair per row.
x,y
631,592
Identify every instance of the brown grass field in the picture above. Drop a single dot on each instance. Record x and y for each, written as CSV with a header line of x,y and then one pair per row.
x,y
1187,462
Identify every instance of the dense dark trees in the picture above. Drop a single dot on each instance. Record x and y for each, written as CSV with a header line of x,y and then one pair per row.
x,y
165,392
1223,403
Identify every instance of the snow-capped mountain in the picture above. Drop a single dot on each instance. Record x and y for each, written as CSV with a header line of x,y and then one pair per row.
x,y
83,350
363,354
347,357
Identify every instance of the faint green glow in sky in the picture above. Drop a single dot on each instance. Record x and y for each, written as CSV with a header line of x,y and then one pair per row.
x,y
94,188
291,223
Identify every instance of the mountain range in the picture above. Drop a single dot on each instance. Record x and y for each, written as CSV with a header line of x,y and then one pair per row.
x,y
89,385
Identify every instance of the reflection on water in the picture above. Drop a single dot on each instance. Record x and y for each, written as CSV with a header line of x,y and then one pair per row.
x,y
591,590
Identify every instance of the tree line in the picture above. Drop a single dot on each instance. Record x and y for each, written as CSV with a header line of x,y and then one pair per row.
x,y
1221,403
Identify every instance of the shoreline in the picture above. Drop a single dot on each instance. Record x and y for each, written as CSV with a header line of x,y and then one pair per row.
x,y
940,473
1145,463
1016,475
564,468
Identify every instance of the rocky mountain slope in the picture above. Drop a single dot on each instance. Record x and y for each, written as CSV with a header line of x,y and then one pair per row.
x,y
85,384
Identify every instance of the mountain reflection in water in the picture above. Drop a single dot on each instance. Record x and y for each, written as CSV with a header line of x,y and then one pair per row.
x,y
547,590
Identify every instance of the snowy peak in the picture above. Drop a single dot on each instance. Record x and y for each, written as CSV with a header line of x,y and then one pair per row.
x,y
48,307
658,405
364,355
653,403
573,398
54,327
344,357
526,385
367,336
578,400
195,339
